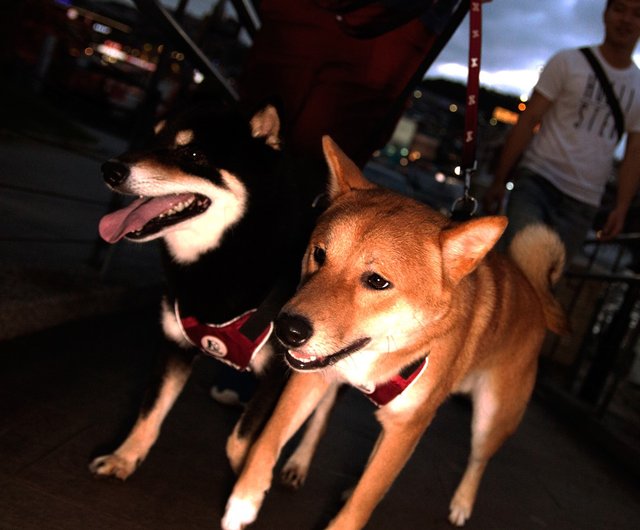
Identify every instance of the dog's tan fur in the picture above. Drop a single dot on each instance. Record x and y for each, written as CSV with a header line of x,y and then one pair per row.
x,y
477,316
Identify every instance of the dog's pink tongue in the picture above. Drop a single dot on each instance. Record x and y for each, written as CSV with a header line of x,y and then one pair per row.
x,y
115,225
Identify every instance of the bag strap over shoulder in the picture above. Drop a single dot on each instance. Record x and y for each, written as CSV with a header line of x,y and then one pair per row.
x,y
608,90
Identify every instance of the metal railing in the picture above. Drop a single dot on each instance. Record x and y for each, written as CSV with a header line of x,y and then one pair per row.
x,y
597,368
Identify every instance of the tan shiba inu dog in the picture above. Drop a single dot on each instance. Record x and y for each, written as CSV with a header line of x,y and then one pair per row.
x,y
389,285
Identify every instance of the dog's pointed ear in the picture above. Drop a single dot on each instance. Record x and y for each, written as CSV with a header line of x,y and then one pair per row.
x,y
464,245
266,124
344,175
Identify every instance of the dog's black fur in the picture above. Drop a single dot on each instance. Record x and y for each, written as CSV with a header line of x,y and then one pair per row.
x,y
218,264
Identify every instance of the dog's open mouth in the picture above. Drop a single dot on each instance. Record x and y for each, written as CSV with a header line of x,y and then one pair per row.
x,y
148,215
300,362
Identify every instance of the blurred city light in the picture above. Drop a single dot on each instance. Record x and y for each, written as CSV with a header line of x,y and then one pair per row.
x,y
198,77
101,28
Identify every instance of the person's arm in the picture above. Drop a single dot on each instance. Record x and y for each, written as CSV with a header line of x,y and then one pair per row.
x,y
517,141
628,180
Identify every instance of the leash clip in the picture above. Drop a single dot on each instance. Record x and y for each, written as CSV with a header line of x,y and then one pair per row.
x,y
465,207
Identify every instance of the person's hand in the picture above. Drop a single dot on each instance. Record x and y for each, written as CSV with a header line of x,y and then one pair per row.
x,y
614,224
493,197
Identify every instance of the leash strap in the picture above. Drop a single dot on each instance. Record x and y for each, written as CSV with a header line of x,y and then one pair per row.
x,y
465,207
267,311
284,287
473,86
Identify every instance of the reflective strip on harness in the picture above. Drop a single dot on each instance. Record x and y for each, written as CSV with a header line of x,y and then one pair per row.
x,y
386,392
224,342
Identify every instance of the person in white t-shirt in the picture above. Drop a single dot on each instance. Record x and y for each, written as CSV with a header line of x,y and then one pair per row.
x,y
562,168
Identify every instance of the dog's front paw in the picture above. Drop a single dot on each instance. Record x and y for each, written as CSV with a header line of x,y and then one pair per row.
x,y
112,466
294,474
239,513
459,512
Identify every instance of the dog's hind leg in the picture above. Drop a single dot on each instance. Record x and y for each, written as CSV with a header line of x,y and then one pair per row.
x,y
499,403
162,394
294,472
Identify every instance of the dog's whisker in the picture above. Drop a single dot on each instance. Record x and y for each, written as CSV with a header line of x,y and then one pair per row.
x,y
392,344
420,322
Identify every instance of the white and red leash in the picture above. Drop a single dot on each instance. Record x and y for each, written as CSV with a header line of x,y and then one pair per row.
x,y
466,206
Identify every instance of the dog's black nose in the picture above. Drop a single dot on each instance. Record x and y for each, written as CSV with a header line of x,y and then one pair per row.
x,y
293,330
115,172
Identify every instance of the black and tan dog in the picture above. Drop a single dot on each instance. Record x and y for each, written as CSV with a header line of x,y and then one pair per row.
x,y
394,294
214,185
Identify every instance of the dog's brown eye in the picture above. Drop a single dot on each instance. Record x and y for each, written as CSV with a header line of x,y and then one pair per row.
x,y
319,255
377,282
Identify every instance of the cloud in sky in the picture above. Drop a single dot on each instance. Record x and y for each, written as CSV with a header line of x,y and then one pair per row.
x,y
518,38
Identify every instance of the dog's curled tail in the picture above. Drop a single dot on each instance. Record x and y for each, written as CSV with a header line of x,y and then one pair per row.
x,y
540,254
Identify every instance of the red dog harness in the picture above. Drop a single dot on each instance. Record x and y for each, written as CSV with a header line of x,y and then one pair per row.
x,y
386,392
224,342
